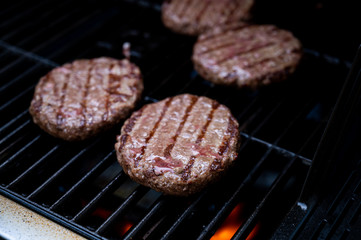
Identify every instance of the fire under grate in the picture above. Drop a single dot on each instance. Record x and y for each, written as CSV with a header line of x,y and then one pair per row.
x,y
81,186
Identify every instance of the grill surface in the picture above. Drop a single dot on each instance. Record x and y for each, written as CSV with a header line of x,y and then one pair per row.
x,y
81,186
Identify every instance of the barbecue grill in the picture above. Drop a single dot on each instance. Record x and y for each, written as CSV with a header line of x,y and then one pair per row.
x,y
81,187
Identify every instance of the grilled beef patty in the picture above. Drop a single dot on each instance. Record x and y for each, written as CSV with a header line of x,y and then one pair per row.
x,y
79,99
193,17
178,145
246,55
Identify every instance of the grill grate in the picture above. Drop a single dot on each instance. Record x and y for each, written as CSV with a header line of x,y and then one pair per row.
x,y
81,186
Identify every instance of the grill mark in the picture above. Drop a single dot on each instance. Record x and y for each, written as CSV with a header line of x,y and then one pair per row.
x,y
234,40
209,37
242,51
244,16
230,15
188,168
169,148
107,102
155,127
201,12
129,127
134,76
85,94
60,118
223,45
38,103
129,72
223,148
182,11
250,66
209,119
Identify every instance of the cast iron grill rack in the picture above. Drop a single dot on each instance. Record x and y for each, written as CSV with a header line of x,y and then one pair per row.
x,y
81,186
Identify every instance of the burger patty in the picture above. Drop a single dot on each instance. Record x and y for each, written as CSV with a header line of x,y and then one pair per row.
x,y
79,99
245,55
178,145
193,17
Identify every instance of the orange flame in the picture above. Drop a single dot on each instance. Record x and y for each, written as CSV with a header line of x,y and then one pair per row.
x,y
123,227
254,232
230,226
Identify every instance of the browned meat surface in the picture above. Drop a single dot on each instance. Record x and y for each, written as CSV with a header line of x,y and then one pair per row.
x,y
178,145
194,17
246,55
79,99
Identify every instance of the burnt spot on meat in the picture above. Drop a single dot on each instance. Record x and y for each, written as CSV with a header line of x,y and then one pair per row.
x,y
188,169
216,165
155,127
168,150
123,140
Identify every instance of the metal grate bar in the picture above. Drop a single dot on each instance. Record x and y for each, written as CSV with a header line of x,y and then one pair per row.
x,y
247,226
4,53
110,187
283,151
12,65
58,35
15,131
30,169
51,25
27,12
95,170
173,52
11,7
17,97
135,195
20,77
38,20
356,214
156,208
230,203
13,120
57,173
265,120
331,230
165,80
27,54
19,152
184,215
341,194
